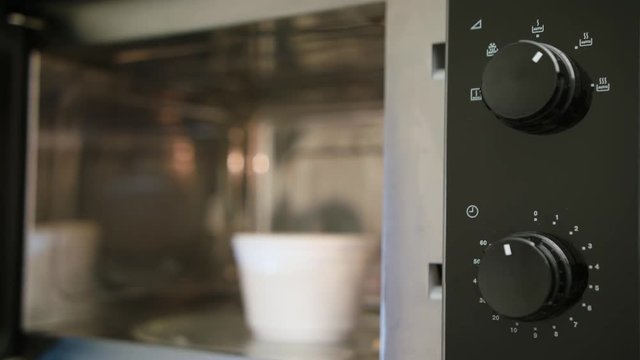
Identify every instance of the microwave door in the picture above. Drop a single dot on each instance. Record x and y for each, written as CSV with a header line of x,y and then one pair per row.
x,y
13,134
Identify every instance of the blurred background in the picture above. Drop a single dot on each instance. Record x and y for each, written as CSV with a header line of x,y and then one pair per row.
x,y
148,155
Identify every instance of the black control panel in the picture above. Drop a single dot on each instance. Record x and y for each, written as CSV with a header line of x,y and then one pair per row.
x,y
542,180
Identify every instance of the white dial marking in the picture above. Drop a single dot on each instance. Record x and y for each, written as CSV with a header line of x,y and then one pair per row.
x,y
537,57
507,250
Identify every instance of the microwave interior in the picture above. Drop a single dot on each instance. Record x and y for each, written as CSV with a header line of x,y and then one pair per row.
x,y
147,156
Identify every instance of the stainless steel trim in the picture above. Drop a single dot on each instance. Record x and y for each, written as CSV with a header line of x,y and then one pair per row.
x,y
414,180
123,20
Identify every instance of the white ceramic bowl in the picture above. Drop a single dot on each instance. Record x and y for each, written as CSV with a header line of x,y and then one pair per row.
x,y
302,287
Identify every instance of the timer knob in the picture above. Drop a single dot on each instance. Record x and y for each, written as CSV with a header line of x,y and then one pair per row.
x,y
531,276
535,88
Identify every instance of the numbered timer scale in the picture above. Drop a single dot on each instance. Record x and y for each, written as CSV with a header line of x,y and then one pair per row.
x,y
542,197
546,274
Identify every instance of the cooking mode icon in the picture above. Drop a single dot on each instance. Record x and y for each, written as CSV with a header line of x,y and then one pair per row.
x,y
603,85
476,94
492,49
586,40
537,28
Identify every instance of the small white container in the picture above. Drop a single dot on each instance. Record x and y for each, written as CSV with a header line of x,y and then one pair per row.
x,y
59,267
302,288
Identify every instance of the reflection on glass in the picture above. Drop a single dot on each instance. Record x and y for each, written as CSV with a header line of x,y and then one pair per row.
x,y
273,127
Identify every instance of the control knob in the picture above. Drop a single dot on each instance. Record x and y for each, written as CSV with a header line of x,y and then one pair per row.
x,y
531,276
535,88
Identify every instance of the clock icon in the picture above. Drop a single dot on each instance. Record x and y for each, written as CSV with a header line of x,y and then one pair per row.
x,y
472,211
